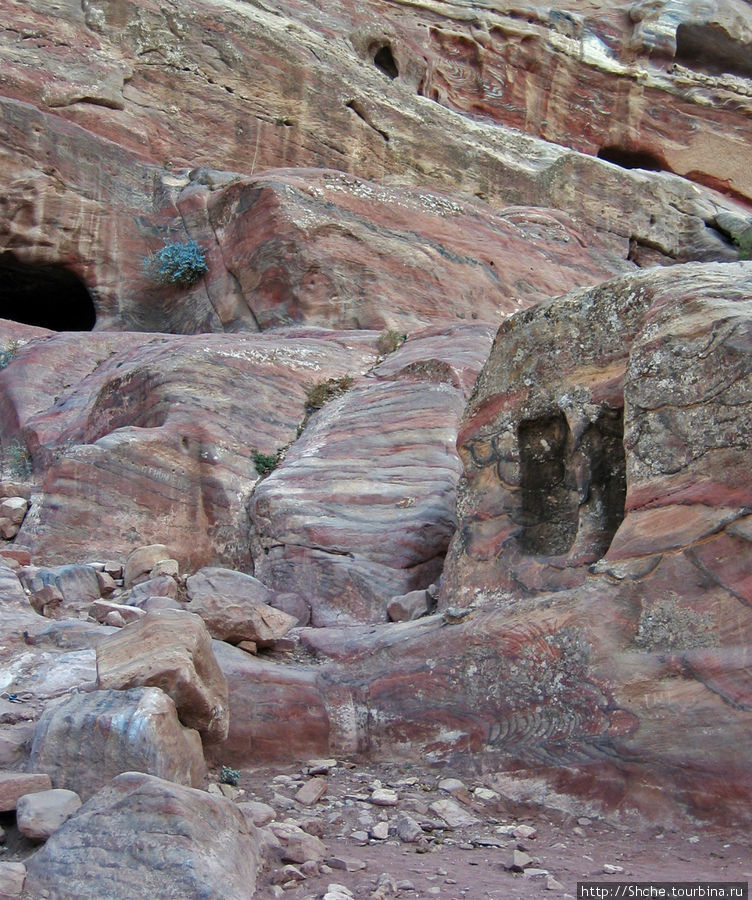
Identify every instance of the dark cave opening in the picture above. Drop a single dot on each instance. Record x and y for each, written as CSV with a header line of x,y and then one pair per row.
x,y
45,295
711,49
604,479
384,60
633,159
549,505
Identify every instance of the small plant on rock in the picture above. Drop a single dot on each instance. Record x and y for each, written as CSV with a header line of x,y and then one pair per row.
x,y
323,391
15,460
389,341
264,462
182,263
229,776
8,353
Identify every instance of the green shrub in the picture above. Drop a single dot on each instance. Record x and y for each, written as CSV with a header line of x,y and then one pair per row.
x,y
8,353
264,462
229,776
15,460
389,341
177,262
323,391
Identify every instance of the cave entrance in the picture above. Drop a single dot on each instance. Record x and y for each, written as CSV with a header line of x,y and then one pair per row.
x,y
633,159
384,60
45,295
549,505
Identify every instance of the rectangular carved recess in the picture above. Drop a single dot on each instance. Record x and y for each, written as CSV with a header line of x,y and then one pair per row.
x,y
571,493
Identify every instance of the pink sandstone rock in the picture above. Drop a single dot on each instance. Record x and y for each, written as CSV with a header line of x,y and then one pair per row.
x,y
40,815
14,785
89,738
171,650
110,846
236,607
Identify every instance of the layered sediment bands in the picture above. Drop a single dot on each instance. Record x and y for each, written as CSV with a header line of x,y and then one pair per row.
x,y
128,108
330,249
158,432
362,508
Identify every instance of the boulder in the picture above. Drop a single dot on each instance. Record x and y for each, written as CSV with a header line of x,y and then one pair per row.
x,y
40,815
141,561
100,609
234,609
171,650
87,739
408,606
144,836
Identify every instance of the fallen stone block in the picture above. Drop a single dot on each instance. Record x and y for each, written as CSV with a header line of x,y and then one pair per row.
x,y
14,508
407,607
90,738
171,650
100,609
141,561
141,836
12,876
40,815
236,607
14,785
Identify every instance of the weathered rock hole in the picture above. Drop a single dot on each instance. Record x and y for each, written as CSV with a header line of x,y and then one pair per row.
x,y
571,493
45,295
549,505
603,477
709,48
633,159
384,60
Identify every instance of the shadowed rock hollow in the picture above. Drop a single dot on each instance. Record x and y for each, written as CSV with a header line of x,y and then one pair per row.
x,y
473,341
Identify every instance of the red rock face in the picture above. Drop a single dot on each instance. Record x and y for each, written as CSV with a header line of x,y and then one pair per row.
x,y
113,137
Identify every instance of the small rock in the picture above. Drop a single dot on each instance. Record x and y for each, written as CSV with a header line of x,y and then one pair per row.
x,y
384,797
450,785
312,791
141,561
12,877
249,647
609,869
257,813
485,794
114,619
106,583
302,846
453,814
165,567
584,821
525,832
553,885
532,872
287,873
380,831
515,860
320,766
310,868
338,892
408,830
39,815
359,838
345,864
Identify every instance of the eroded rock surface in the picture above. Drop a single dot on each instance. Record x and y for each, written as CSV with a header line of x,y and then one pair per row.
x,y
141,834
90,738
